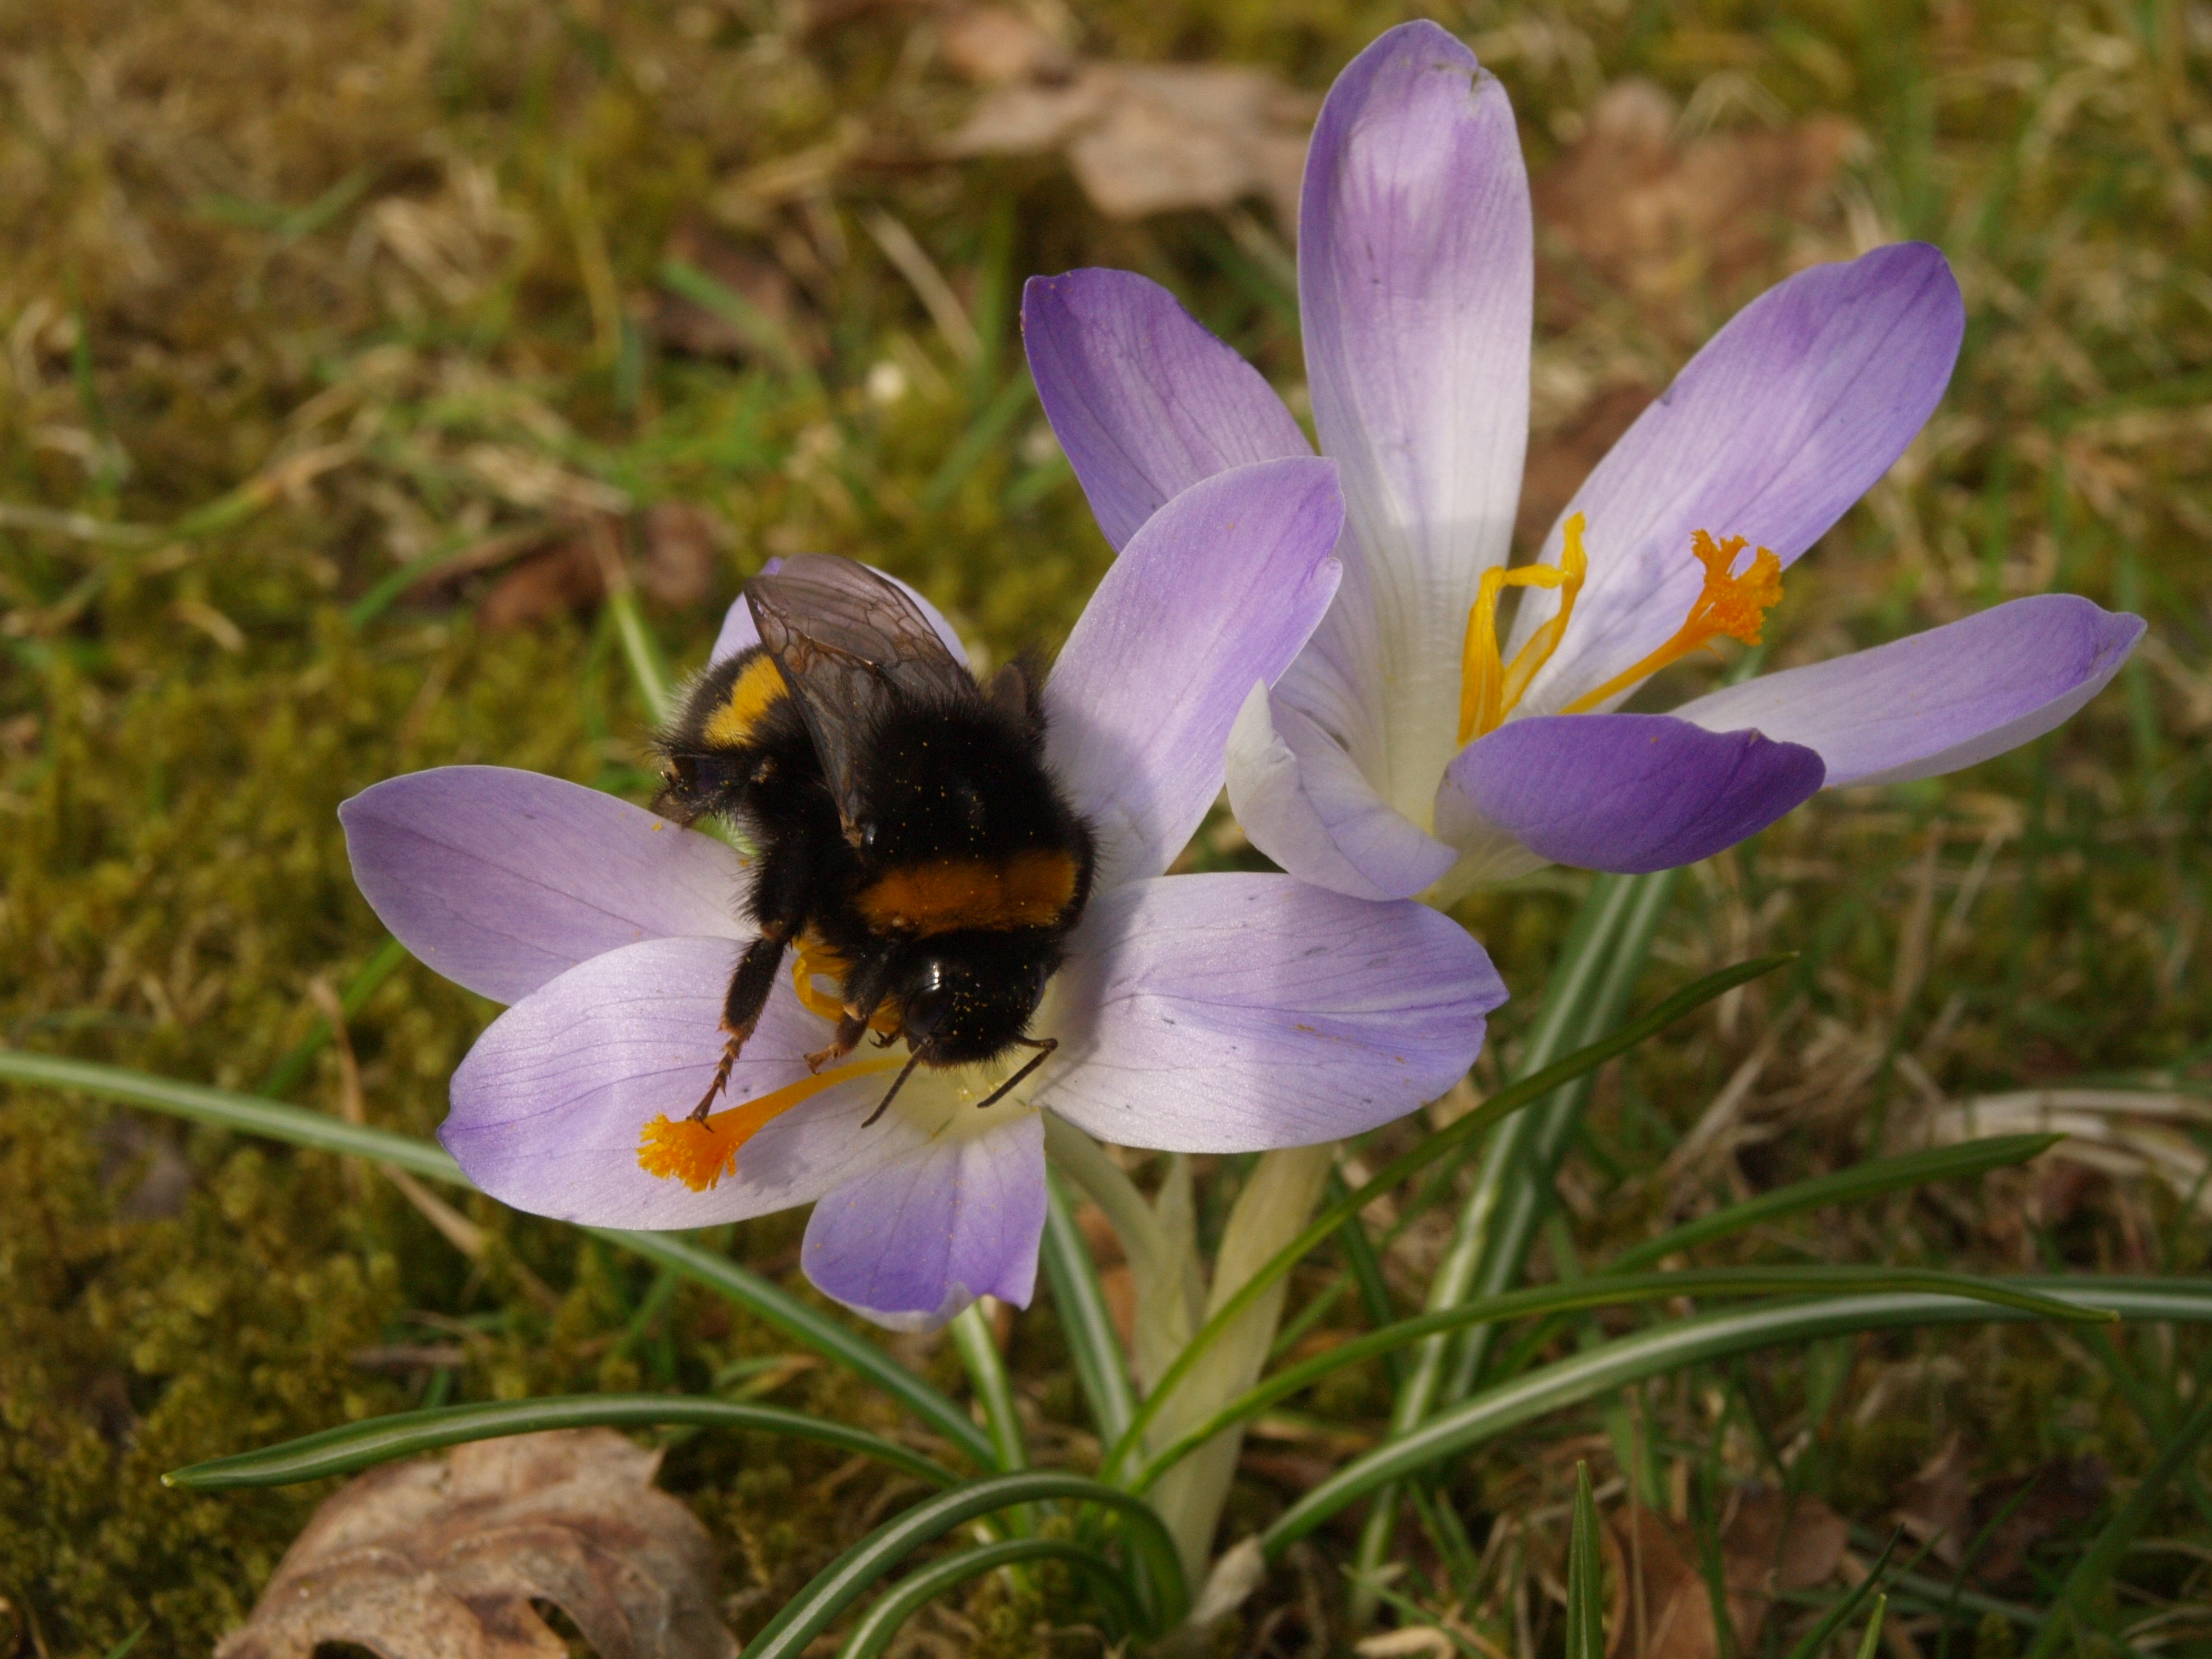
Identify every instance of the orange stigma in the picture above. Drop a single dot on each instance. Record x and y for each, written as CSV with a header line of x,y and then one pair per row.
x,y
699,1154
1731,605
1489,686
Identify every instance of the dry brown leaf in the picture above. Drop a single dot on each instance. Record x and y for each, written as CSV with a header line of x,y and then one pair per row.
x,y
1943,1506
565,577
1770,1542
1656,219
676,563
997,46
1141,138
759,281
440,1559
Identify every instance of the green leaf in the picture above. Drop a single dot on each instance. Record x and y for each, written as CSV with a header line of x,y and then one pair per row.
x,y
1585,1575
1101,1367
848,1578
878,1627
408,1434
1497,1107
987,1374
1668,1348
129,1642
299,1126
1613,1291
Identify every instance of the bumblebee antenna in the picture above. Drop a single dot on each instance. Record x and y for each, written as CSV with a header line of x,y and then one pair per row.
x,y
1044,1045
897,1084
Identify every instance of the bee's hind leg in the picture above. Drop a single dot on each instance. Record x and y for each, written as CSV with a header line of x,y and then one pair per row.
x,y
741,1009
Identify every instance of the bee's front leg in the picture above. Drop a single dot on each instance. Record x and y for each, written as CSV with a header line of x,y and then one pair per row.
x,y
741,1008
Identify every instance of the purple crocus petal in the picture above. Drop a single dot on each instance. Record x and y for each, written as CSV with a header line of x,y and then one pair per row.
x,y
1626,793
1306,805
1218,590
501,879
1941,700
1232,1012
1145,401
1415,279
915,1240
1787,415
738,632
548,1106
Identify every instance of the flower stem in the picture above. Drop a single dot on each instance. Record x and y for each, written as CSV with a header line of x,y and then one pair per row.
x,y
1275,1204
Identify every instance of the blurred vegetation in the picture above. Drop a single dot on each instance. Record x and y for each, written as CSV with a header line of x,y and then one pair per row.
x,y
351,352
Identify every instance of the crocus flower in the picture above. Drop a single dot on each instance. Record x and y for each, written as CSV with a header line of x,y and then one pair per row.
x,y
1407,750
1196,1012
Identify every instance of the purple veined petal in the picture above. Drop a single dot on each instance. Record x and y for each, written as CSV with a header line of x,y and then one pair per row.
x,y
738,632
1143,399
549,1106
1628,793
1225,1013
1218,589
1305,805
1937,701
500,879
917,1239
1416,275
1787,415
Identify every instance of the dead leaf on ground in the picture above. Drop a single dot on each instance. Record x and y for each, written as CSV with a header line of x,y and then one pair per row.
x,y
1770,1542
1141,138
564,577
677,559
1657,219
1944,1506
440,1559
761,282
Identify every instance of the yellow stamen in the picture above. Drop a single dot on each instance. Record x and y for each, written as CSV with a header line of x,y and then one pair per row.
x,y
1730,604
813,960
700,1154
1489,686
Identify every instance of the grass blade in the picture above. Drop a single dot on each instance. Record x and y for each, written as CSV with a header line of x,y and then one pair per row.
x,y
1613,1291
1585,1575
848,1578
408,1434
1816,1641
225,1109
1690,1342
879,1627
1333,1216
2069,1613
987,1374
1872,1640
1101,1367
1870,1180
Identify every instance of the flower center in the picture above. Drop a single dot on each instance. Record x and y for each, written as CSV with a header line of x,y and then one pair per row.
x,y
699,1154
1730,604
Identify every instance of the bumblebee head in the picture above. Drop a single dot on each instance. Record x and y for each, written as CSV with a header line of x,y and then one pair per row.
x,y
693,785
969,998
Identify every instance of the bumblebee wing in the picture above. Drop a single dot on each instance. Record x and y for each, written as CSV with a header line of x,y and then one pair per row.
x,y
852,646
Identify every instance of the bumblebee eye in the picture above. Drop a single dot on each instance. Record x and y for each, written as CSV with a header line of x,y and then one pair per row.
x,y
680,770
924,1011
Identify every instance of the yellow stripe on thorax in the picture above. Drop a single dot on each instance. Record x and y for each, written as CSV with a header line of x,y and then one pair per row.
x,y
752,695
1029,889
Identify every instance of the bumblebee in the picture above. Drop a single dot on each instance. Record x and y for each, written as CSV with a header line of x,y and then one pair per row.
x,y
911,843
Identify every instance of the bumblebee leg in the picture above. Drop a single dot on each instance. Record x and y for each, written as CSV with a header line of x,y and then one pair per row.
x,y
741,1009
862,994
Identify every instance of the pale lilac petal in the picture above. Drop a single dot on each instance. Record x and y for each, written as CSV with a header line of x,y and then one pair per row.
x,y
500,879
1218,590
1143,400
1229,1013
1937,701
1788,414
1628,793
548,1106
1305,804
1415,279
915,1240
738,632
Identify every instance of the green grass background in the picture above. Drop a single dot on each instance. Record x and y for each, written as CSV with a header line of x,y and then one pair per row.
x,y
292,295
